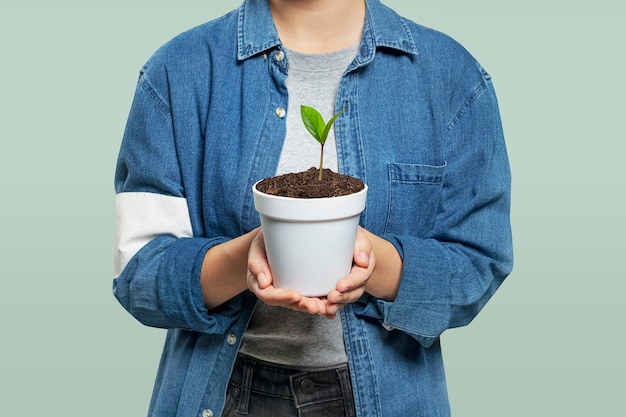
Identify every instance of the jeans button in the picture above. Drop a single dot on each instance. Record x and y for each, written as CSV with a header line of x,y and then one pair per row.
x,y
307,386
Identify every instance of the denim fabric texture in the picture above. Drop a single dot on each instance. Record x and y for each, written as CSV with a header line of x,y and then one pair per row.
x,y
421,128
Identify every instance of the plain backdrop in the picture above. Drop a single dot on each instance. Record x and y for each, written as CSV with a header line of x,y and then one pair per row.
x,y
551,341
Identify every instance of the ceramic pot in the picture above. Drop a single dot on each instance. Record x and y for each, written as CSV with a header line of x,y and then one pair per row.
x,y
309,242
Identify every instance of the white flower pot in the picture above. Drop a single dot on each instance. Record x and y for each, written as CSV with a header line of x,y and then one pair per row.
x,y
309,242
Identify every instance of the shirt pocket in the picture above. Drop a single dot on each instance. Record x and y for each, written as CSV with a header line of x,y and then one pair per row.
x,y
415,192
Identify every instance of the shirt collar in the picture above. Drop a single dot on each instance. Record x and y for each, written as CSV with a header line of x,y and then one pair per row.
x,y
383,28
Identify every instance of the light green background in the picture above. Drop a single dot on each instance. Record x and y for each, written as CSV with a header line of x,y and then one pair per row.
x,y
550,343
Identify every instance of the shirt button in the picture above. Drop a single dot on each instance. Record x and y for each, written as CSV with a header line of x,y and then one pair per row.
x,y
207,413
280,55
231,340
280,112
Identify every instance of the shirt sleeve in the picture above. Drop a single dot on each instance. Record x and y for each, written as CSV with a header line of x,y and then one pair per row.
x,y
449,275
158,257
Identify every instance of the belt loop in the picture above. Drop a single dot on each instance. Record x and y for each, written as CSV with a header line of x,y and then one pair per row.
x,y
246,387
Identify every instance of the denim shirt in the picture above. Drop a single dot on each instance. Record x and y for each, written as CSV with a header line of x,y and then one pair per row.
x,y
421,128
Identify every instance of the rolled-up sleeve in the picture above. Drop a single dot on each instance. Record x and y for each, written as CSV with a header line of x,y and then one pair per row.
x,y
449,275
158,257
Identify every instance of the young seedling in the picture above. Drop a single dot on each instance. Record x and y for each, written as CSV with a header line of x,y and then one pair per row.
x,y
314,123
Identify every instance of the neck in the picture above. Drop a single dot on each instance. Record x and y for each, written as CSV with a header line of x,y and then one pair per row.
x,y
318,26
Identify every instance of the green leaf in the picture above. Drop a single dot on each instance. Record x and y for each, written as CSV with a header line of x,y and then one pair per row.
x,y
314,122
330,123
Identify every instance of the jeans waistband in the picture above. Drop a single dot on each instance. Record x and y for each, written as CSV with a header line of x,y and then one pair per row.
x,y
305,387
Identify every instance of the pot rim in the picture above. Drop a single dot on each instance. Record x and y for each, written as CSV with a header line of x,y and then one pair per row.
x,y
309,209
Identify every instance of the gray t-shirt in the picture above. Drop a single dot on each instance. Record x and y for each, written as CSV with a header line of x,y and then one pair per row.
x,y
277,334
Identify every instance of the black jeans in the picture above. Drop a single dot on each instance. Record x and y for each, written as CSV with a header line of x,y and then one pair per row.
x,y
261,389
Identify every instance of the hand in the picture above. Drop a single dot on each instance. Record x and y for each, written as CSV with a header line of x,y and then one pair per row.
x,y
349,289
352,287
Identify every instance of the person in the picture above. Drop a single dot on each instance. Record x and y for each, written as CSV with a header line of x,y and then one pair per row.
x,y
215,110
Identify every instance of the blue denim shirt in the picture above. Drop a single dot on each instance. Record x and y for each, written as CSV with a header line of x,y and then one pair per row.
x,y
422,129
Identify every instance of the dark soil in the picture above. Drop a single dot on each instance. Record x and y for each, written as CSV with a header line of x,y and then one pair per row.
x,y
305,184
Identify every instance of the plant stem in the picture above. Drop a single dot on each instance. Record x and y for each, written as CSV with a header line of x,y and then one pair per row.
x,y
319,177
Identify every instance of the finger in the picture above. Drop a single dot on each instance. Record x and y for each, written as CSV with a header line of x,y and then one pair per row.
x,y
357,278
361,257
339,298
362,249
352,287
312,305
258,265
263,280
332,309
277,297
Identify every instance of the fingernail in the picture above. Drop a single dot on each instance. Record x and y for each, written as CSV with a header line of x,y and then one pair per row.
x,y
261,278
364,256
